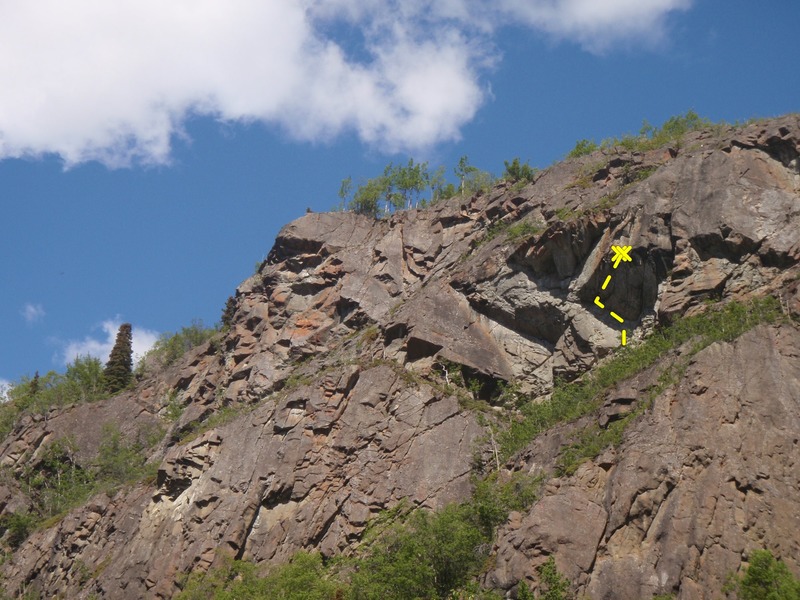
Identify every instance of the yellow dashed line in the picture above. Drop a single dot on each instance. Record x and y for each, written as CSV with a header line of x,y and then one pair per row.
x,y
620,255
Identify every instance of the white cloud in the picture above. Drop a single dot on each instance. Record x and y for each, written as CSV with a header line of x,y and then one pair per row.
x,y
5,385
597,25
143,340
114,81
32,313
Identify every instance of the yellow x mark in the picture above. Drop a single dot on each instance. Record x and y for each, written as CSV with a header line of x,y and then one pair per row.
x,y
620,254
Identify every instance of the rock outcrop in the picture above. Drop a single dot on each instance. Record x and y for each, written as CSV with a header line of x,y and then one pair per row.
x,y
326,401
707,474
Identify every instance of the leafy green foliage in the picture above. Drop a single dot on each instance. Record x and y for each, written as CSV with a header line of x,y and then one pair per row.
x,y
174,408
554,585
425,558
471,178
172,346
119,368
572,400
121,461
409,182
302,579
401,187
367,198
670,132
492,500
524,592
16,527
82,382
765,578
404,554
516,171
523,229
55,482
512,231
463,171
345,189
582,148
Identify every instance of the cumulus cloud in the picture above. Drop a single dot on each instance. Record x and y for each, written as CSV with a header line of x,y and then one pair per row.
x,y
143,340
32,313
115,81
5,385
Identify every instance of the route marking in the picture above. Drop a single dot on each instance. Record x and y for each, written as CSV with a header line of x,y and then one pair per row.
x,y
620,254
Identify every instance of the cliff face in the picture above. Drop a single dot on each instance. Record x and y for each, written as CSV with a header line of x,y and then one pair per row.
x,y
328,401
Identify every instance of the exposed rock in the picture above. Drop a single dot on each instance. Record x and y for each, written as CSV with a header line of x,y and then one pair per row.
x,y
321,405
710,474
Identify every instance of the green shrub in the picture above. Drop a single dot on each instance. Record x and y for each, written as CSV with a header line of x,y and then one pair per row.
x,y
764,579
524,592
523,229
119,461
366,200
670,132
424,557
174,408
516,171
404,553
56,482
17,526
492,501
172,346
582,148
82,382
304,578
478,182
554,585
448,190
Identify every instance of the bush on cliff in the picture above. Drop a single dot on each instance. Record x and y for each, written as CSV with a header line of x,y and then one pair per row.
x,y
82,382
765,578
170,347
417,554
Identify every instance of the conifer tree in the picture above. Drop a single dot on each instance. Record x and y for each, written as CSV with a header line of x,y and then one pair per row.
x,y
229,312
119,368
34,388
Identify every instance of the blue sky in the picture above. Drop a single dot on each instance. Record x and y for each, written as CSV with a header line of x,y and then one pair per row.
x,y
149,155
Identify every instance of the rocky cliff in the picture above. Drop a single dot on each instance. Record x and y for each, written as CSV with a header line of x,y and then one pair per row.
x,y
331,397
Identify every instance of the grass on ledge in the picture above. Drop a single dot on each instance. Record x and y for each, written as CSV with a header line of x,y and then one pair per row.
x,y
570,401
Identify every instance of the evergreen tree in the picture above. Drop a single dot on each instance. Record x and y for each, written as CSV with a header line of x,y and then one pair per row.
x,y
228,313
119,368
